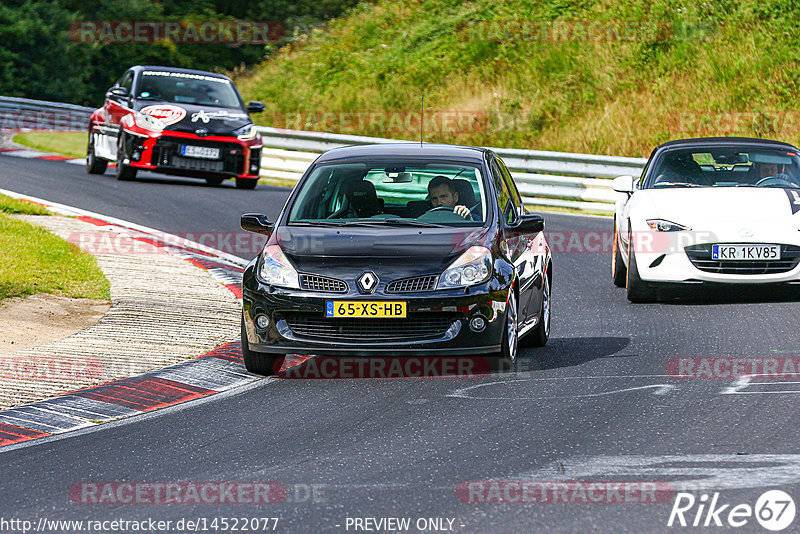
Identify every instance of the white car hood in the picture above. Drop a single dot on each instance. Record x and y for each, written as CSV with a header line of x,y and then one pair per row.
x,y
700,208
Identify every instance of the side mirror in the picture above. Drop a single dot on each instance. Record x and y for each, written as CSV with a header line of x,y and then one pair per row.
x,y
255,107
623,184
120,92
530,224
257,223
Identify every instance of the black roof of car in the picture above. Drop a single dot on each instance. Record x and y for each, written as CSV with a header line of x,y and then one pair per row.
x,y
722,141
412,150
176,69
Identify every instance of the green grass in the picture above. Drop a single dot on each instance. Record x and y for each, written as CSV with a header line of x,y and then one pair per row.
x,y
20,207
712,68
69,144
32,260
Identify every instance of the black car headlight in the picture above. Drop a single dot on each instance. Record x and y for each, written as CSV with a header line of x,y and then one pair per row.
x,y
473,267
275,269
248,131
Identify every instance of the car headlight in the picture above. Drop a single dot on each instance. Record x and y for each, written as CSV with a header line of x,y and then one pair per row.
x,y
473,267
665,226
248,131
148,122
276,270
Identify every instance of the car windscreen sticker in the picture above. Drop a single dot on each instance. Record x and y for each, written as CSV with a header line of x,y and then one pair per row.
x,y
794,200
168,113
206,116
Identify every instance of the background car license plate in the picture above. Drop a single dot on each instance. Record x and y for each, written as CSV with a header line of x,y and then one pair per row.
x,y
200,152
369,309
746,252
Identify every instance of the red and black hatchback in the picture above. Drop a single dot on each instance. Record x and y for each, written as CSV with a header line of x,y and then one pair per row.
x,y
176,121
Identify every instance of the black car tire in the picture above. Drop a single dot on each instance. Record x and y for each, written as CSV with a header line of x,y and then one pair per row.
x,y
507,357
618,270
214,180
246,183
259,363
539,336
94,165
638,290
124,172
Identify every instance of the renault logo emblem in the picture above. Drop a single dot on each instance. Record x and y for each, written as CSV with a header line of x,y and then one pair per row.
x,y
745,232
367,282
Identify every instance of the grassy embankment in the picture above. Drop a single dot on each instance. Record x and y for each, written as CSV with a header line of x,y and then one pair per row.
x,y
32,260
644,72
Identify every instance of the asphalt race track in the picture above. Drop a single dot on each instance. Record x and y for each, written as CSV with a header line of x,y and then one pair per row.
x,y
596,404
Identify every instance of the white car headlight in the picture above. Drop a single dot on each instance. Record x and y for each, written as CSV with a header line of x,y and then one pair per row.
x,y
665,226
247,132
148,122
473,267
276,270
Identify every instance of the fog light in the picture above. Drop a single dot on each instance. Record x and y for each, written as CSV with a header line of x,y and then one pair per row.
x,y
477,323
262,322
136,156
254,168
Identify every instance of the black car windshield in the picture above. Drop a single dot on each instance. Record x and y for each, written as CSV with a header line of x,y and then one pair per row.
x,y
392,193
733,166
186,88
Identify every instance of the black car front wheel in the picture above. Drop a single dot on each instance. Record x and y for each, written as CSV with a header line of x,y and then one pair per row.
x,y
124,172
94,165
260,363
639,291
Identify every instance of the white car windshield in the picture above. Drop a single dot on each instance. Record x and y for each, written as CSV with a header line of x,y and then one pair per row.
x,y
736,166
391,193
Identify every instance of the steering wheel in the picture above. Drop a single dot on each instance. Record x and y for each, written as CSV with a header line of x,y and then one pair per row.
x,y
780,180
440,208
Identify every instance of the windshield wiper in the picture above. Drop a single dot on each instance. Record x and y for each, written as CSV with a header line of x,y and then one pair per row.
x,y
676,184
411,222
339,223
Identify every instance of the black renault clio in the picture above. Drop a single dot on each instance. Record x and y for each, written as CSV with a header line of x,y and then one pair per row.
x,y
398,250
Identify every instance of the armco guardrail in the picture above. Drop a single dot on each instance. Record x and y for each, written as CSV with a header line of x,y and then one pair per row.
x,y
25,114
557,179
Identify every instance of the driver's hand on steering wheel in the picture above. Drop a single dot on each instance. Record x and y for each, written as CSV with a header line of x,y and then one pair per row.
x,y
463,211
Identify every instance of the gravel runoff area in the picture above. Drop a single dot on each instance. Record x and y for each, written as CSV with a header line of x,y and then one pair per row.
x,y
163,310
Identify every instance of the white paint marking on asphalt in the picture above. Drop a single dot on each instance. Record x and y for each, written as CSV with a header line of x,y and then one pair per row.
x,y
745,382
660,389
736,471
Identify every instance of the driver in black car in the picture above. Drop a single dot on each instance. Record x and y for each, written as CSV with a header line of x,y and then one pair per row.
x,y
442,193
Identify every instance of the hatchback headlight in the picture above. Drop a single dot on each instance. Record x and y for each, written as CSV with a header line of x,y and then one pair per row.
x,y
276,270
148,122
248,131
665,226
473,267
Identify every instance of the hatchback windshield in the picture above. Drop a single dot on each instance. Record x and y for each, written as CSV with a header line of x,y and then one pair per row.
x,y
392,193
185,88
739,166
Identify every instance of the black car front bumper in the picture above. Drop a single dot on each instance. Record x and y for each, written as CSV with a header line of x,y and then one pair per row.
x,y
437,323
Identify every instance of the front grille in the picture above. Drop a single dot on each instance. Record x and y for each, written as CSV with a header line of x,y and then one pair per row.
x,y
700,256
313,282
418,327
198,164
166,155
413,285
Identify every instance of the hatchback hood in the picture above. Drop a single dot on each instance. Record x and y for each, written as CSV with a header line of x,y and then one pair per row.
x,y
418,249
190,117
